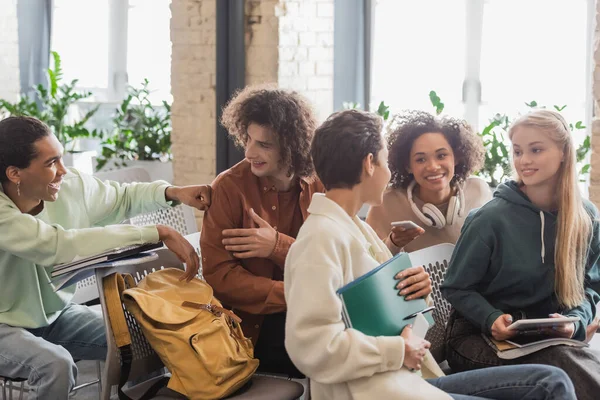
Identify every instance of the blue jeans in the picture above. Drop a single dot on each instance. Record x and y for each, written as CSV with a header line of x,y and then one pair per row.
x,y
44,356
518,382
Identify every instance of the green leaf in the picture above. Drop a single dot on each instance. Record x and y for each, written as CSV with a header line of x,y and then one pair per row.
x,y
54,74
383,110
585,169
436,102
579,125
532,104
559,109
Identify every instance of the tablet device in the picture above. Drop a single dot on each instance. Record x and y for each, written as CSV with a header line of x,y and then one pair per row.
x,y
533,324
406,224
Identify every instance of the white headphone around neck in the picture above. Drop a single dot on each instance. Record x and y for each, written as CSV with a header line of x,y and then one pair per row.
x,y
430,215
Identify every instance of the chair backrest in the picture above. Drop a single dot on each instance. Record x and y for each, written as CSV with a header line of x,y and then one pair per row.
x,y
125,175
181,218
87,290
435,260
145,359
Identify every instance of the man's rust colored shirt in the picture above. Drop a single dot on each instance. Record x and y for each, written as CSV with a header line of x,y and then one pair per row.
x,y
251,287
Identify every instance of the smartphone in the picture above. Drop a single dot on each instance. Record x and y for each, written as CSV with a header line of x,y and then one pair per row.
x,y
406,224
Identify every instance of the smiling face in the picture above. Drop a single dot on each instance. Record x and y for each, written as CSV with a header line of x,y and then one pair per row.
x,y
41,180
262,152
432,162
536,157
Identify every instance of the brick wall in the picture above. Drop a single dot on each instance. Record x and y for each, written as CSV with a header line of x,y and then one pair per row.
x,y
9,51
306,51
594,188
288,42
262,41
193,69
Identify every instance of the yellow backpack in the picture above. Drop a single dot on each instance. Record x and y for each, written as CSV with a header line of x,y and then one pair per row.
x,y
199,341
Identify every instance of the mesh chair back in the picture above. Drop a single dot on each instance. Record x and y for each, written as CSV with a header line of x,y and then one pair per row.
x,y
181,218
125,175
87,290
435,260
145,360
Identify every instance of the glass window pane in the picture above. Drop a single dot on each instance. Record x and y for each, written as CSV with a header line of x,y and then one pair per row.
x,y
534,50
419,46
80,36
149,46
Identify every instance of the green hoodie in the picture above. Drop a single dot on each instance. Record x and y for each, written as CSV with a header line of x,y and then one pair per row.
x,y
76,224
504,262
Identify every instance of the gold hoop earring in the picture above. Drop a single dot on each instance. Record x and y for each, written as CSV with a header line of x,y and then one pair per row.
x,y
19,188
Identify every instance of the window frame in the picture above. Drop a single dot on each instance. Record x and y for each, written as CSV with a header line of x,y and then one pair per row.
x,y
472,86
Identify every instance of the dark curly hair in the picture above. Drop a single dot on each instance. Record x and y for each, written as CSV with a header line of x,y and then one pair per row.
x,y
341,144
17,142
406,127
288,113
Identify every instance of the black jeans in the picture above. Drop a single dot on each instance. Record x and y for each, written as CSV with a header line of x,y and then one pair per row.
x,y
466,350
270,348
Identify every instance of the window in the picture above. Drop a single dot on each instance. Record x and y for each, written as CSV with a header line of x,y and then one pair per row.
x,y
149,46
418,46
484,56
526,56
107,44
84,54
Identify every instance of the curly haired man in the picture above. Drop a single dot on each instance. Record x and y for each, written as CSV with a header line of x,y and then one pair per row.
x,y
257,209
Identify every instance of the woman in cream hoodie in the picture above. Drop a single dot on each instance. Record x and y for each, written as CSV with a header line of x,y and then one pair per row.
x,y
333,248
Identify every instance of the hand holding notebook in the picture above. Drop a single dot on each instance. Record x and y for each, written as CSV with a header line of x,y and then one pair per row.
x,y
371,303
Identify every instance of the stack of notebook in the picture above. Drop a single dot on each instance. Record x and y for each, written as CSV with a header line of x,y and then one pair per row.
x,y
69,273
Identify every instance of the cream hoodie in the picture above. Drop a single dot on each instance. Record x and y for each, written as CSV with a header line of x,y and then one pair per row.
x,y
330,251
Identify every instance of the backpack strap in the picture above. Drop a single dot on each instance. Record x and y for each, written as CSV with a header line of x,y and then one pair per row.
x,y
213,308
114,285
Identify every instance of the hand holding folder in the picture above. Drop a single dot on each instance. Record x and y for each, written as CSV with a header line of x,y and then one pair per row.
x,y
371,303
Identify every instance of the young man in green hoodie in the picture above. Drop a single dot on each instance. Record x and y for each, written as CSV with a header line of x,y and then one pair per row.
x,y
51,215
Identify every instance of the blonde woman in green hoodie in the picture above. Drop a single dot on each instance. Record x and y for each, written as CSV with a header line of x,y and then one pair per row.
x,y
50,215
531,252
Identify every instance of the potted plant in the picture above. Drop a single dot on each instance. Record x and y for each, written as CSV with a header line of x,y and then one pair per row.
x,y
141,136
53,105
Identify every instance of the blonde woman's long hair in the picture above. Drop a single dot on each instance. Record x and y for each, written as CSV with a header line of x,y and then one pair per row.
x,y
574,223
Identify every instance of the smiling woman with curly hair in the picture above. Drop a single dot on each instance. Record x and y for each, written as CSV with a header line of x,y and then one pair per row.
x,y
431,159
